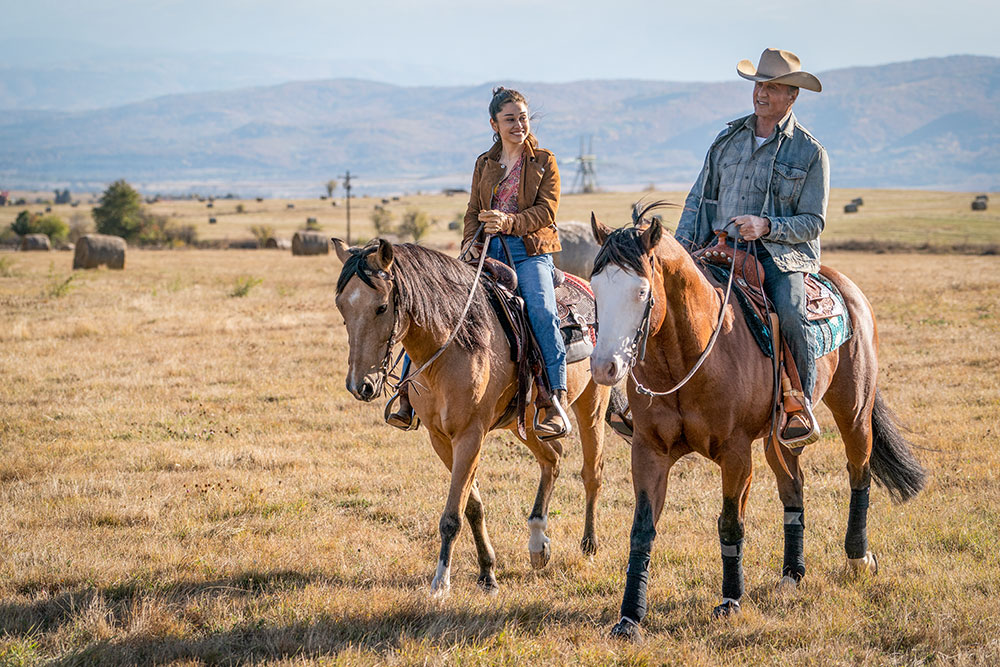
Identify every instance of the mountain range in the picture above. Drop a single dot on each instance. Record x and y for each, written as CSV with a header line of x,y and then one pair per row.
x,y
932,123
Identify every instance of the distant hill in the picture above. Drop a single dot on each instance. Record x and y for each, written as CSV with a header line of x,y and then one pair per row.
x,y
931,123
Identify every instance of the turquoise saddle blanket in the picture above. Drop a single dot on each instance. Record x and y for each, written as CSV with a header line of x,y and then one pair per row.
x,y
825,335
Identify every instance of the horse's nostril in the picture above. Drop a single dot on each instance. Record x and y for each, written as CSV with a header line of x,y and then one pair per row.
x,y
367,390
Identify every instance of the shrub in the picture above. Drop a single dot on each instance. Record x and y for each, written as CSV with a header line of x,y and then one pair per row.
x,y
415,224
262,233
161,230
32,223
243,285
382,220
120,211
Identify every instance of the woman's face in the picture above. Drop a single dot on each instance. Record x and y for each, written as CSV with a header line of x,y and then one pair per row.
x,y
512,123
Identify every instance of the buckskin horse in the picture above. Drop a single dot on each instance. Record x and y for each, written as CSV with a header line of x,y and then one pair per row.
x,y
649,287
415,296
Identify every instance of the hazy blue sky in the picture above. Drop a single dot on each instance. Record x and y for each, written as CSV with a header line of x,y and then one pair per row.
x,y
470,42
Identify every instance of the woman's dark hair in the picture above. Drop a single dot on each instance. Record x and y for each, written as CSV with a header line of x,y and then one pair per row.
x,y
502,96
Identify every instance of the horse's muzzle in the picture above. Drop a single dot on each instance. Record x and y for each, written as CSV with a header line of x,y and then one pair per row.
x,y
608,371
366,390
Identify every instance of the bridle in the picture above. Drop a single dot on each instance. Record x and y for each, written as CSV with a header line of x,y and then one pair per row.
x,y
637,349
386,367
362,271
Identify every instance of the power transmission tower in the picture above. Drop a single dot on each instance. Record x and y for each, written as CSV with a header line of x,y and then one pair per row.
x,y
347,189
586,175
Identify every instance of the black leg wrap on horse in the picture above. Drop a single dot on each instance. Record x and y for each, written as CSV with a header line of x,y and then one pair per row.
x,y
795,528
732,570
637,575
856,542
636,579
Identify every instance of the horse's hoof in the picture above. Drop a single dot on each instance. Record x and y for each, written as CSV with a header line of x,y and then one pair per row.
x,y
727,609
627,630
441,592
589,546
540,559
489,585
786,586
868,564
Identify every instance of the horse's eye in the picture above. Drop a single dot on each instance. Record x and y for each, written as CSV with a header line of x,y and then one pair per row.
x,y
381,309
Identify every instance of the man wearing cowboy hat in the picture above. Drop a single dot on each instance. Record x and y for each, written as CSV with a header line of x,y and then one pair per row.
x,y
767,178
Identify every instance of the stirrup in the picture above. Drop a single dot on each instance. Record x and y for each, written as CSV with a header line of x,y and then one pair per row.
x,y
800,429
545,435
397,419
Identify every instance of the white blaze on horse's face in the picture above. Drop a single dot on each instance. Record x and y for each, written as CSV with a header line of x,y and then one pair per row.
x,y
368,316
621,303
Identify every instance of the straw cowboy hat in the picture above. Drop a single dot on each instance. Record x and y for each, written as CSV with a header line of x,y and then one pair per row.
x,y
779,66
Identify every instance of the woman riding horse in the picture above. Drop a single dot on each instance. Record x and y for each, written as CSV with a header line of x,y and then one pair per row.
x,y
513,200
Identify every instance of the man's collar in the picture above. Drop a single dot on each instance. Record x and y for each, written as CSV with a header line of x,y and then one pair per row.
x,y
786,125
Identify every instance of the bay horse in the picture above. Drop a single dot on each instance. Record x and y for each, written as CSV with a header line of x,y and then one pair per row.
x,y
727,404
415,296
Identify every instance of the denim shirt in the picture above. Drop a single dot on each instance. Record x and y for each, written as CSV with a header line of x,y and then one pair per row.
x,y
795,202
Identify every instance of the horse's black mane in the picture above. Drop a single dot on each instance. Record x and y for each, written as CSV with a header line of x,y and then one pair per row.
x,y
623,247
433,289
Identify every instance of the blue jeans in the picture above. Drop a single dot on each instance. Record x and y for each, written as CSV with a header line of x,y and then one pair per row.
x,y
788,293
534,280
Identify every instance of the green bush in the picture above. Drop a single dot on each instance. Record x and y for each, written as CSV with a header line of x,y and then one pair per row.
x,y
120,211
160,230
415,224
262,233
32,223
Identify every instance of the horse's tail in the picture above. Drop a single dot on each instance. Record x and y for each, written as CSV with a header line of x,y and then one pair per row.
x,y
893,464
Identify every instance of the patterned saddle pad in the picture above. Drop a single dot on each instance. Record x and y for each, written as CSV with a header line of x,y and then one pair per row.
x,y
577,310
829,322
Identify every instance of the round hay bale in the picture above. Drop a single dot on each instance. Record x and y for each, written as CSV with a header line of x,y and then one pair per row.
x,y
850,208
35,242
310,243
579,248
277,244
858,201
92,250
979,205
982,198
212,221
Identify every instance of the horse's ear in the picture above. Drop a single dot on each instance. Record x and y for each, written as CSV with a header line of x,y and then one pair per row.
x,y
381,259
651,237
601,231
341,248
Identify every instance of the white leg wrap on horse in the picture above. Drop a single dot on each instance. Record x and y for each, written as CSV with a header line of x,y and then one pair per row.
x,y
538,540
441,583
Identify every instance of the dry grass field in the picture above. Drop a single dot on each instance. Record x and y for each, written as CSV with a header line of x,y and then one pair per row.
x,y
184,479
937,220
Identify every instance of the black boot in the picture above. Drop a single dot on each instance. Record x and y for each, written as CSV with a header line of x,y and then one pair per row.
x,y
554,424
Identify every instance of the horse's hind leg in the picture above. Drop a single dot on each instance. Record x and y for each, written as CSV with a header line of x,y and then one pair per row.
x,y
589,409
475,515
790,491
548,454
853,414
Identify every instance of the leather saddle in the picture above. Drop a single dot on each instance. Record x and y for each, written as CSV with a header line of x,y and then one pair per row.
x,y
748,279
577,310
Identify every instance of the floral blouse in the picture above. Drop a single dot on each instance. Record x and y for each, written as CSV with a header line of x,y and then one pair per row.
x,y
505,193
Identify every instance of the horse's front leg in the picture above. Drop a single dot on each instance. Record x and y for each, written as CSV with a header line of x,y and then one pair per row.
x,y
737,471
790,491
462,458
650,470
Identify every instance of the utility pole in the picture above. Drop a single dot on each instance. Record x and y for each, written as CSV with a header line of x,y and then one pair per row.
x,y
347,189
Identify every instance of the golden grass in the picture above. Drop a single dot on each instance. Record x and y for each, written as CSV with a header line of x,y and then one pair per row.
x,y
183,477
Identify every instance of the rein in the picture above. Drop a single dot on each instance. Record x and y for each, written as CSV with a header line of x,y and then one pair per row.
x,y
642,336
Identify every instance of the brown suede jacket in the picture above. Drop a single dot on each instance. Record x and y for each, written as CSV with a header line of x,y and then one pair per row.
x,y
537,198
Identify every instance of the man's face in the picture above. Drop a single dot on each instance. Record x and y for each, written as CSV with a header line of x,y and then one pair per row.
x,y
771,101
